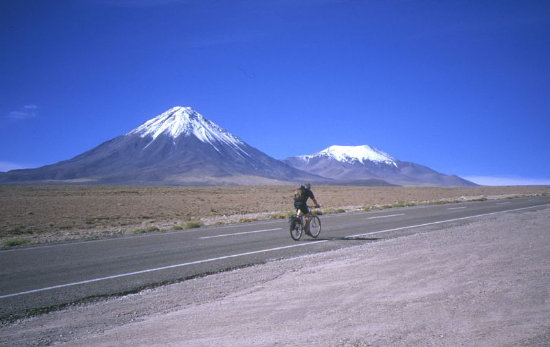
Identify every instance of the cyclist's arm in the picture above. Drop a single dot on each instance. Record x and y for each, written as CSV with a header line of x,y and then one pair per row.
x,y
315,202
312,197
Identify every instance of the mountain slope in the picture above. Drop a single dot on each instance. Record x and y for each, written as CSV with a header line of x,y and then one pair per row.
x,y
365,162
180,146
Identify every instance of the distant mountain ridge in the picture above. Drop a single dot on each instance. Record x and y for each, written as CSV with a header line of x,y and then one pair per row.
x,y
180,146
365,162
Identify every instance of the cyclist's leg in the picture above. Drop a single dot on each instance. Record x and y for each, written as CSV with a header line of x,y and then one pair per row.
x,y
307,219
306,213
301,209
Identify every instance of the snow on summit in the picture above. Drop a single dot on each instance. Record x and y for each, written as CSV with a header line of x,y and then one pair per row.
x,y
185,121
350,154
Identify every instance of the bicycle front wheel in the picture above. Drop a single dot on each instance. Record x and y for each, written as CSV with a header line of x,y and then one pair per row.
x,y
295,229
314,226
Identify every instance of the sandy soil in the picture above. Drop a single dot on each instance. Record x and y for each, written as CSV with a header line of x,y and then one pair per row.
x,y
482,283
40,214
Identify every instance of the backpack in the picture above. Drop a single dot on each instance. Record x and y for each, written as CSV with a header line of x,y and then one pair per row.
x,y
300,194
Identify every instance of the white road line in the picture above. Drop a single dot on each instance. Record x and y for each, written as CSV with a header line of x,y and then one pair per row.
x,y
444,221
241,233
238,225
456,208
159,269
387,216
39,247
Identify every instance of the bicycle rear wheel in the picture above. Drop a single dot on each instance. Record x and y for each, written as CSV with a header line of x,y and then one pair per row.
x,y
314,226
295,229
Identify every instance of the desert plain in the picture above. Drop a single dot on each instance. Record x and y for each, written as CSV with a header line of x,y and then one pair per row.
x,y
36,214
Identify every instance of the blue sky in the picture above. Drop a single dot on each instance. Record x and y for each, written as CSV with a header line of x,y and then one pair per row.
x,y
462,87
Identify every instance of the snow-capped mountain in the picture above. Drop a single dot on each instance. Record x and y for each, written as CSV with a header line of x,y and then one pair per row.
x,y
352,154
365,162
180,146
184,121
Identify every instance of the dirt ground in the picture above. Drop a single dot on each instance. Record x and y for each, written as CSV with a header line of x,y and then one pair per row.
x,y
39,214
481,283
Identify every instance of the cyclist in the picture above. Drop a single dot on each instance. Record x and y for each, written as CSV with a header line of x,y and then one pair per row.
x,y
301,195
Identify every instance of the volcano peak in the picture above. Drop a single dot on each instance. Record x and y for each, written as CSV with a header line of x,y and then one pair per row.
x,y
185,121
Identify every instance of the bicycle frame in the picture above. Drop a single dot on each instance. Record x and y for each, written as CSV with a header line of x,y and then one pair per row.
x,y
301,223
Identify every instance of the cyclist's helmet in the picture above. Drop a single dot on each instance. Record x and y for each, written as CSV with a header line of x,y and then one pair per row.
x,y
307,185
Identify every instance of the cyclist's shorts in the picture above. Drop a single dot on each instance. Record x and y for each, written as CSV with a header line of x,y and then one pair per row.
x,y
302,207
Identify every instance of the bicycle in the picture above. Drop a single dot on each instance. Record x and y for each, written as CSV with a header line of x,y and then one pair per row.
x,y
298,225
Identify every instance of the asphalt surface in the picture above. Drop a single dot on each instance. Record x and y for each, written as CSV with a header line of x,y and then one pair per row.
x,y
48,277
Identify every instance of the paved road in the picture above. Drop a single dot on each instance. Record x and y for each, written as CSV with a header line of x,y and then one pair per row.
x,y
55,275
